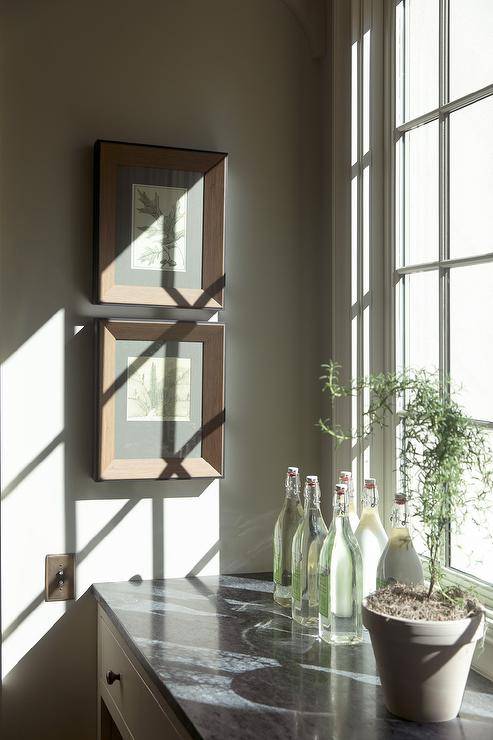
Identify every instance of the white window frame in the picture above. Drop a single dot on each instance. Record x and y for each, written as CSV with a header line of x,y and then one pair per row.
x,y
350,20
484,659
348,23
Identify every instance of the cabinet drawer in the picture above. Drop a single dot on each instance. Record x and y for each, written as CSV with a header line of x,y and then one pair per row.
x,y
144,712
125,691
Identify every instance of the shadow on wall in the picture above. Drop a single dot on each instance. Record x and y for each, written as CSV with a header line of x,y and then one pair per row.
x,y
50,504
59,666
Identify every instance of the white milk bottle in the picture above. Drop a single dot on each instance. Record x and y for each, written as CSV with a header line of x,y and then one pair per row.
x,y
371,536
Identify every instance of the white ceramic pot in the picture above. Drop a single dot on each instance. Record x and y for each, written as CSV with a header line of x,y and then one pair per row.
x,y
423,666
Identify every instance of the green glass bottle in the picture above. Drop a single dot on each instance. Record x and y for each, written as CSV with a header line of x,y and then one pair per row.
x,y
307,544
340,577
286,526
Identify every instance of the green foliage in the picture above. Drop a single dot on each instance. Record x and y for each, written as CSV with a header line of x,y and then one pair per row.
x,y
443,451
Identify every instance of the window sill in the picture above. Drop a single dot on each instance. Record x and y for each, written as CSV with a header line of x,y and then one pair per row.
x,y
483,657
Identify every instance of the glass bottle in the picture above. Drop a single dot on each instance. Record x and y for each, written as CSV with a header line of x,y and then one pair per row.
x,y
340,577
286,525
345,476
371,536
307,544
399,562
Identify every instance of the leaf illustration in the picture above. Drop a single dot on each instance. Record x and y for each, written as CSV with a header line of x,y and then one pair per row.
x,y
149,207
163,233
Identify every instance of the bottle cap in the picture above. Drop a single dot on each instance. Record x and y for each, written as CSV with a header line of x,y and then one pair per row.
x,y
311,480
292,471
370,482
345,475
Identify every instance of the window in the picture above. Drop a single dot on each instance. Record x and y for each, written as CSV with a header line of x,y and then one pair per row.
x,y
412,198
441,151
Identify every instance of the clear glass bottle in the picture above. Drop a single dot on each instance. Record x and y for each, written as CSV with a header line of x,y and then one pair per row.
x,y
340,577
286,525
307,544
345,476
399,561
371,536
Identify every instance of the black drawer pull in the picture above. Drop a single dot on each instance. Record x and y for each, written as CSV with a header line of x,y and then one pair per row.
x,y
112,677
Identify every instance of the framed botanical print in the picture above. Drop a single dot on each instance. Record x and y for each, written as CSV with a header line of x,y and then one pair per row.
x,y
160,400
159,225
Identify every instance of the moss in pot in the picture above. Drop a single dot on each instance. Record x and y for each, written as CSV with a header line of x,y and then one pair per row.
x,y
424,638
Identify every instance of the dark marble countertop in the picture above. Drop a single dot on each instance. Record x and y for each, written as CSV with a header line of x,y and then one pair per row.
x,y
234,666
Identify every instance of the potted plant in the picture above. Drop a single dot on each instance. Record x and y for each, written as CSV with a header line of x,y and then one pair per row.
x,y
424,637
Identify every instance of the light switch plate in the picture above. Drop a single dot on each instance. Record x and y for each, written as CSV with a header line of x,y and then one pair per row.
x,y
60,577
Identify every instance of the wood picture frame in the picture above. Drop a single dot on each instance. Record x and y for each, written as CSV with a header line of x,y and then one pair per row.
x,y
147,252
126,351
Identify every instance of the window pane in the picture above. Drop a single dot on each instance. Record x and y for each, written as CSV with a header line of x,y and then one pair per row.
x,y
399,62
354,103
471,179
471,541
471,43
417,43
471,337
417,195
366,230
419,324
366,91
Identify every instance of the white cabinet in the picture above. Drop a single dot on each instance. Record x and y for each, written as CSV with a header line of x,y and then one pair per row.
x,y
136,706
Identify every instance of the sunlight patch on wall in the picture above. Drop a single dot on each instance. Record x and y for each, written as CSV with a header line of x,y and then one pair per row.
x,y
33,485
114,541
190,532
32,397
30,631
33,523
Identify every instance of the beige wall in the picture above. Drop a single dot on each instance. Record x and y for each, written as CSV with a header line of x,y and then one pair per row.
x,y
232,75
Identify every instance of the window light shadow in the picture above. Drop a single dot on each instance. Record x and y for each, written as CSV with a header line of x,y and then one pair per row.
x,y
158,543
200,564
91,545
70,356
32,465
359,306
129,371
10,629
209,292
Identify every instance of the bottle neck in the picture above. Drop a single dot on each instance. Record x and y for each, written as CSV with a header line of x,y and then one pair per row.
x,y
312,498
370,498
348,481
340,505
293,487
400,517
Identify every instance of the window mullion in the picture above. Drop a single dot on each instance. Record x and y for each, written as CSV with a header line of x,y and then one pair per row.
x,y
360,337
444,198
443,193
391,293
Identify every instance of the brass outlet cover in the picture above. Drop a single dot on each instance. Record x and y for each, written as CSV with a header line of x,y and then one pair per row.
x,y
53,565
